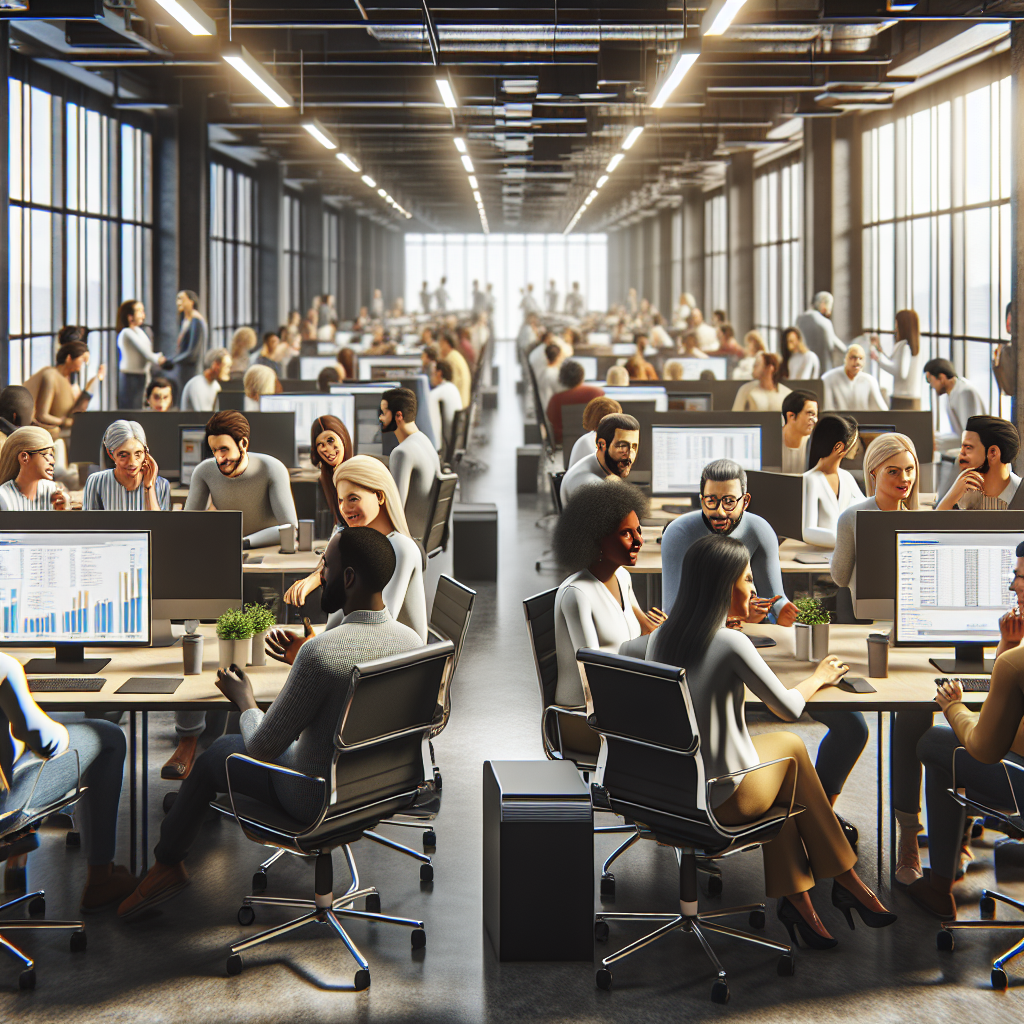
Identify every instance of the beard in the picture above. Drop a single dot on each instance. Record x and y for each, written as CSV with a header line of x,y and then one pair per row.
x,y
229,467
389,427
722,533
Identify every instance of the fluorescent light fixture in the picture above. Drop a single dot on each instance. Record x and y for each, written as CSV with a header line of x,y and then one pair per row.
x,y
460,144
472,182
255,74
444,87
367,180
190,17
681,63
615,161
467,163
970,39
320,133
601,180
476,196
381,193
627,142
348,162
719,15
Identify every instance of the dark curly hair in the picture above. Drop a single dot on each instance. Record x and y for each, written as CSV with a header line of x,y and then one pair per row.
x,y
593,512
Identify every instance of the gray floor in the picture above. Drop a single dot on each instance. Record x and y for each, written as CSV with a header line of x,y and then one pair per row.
x,y
170,965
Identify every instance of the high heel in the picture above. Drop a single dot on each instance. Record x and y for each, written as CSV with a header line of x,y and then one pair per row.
x,y
795,924
844,901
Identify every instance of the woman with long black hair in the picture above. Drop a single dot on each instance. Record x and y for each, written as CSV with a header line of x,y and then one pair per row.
x,y
829,490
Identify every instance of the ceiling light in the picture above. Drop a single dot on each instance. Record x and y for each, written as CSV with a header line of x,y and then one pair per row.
x,y
444,87
681,63
467,163
460,143
472,182
320,133
190,16
615,161
476,196
367,180
381,193
254,73
602,180
961,44
627,142
718,17
348,162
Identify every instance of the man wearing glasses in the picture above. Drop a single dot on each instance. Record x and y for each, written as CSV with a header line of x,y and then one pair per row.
x,y
26,473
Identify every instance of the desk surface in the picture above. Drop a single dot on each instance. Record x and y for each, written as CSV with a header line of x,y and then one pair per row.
x,y
649,559
271,559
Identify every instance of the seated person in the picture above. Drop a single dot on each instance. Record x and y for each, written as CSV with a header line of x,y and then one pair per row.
x,y
445,401
689,347
298,729
673,370
159,395
547,379
637,365
988,737
462,378
329,446
413,462
716,591
243,344
594,411
799,414
270,352
26,473
617,377
828,489
986,482
327,376
134,484
764,393
16,408
798,362
200,392
753,344
101,752
571,391
616,442
728,346
55,391
848,387
259,380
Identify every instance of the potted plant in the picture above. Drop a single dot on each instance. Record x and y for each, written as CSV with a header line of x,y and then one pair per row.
x,y
262,620
234,638
811,638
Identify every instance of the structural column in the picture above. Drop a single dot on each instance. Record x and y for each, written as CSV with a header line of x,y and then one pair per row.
x,y
739,184
349,300
693,243
165,230
270,191
193,193
817,226
312,274
5,194
846,256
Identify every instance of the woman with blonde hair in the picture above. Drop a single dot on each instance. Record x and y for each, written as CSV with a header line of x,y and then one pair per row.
x,y
26,473
243,343
259,380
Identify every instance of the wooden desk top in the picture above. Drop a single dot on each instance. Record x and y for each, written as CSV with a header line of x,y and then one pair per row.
x,y
649,559
274,561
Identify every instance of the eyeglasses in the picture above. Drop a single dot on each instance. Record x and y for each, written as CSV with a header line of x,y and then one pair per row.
x,y
40,451
1016,576
728,503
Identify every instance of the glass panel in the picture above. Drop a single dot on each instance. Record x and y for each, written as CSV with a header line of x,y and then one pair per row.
x,y
977,280
978,147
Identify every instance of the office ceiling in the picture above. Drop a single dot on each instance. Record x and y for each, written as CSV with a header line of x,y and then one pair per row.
x,y
546,94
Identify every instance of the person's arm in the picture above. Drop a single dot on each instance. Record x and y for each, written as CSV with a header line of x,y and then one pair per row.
x,y
163,494
1011,631
844,556
739,403
885,362
395,592
401,467
282,505
139,341
814,367
579,619
199,489
875,399
764,561
30,725
830,400
968,480
810,530
675,542
189,353
44,402
831,338
762,682
987,736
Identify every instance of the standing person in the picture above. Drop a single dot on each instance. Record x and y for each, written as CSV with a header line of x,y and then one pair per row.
x,y
575,306
159,395
55,388
26,473
849,388
798,362
799,415
445,401
377,304
191,347
200,393
963,399
479,299
681,314
552,296
594,411
529,304
547,379
425,297
905,363
413,463
815,325
136,354
764,393
243,344
617,441
461,376
441,297
828,489
134,484
986,482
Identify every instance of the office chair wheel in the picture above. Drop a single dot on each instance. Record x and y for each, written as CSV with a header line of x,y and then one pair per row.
x,y
429,839
987,908
168,801
601,931
426,873
604,978
720,992
259,882
78,942
714,885
999,981
419,938
361,981
437,779
234,964
756,920
944,941
73,839
246,915
27,979
373,903
37,907
787,965
607,884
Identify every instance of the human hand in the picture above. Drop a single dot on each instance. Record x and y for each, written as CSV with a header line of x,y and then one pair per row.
x,y
759,608
948,692
875,342
657,616
284,646
968,480
60,499
149,470
788,614
1011,627
297,593
235,685
830,670
733,623
101,371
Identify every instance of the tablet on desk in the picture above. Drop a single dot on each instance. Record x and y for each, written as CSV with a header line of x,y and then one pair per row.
x,y
151,684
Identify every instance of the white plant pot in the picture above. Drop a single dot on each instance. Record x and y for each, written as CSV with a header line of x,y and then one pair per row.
x,y
259,648
810,642
233,652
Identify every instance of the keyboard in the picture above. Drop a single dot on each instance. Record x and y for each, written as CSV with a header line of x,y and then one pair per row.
x,y
969,684
65,684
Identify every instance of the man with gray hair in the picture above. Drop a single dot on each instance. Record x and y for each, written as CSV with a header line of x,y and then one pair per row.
x,y
816,326
200,393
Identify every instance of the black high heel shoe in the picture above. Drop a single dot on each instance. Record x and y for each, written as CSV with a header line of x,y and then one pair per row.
x,y
844,901
795,924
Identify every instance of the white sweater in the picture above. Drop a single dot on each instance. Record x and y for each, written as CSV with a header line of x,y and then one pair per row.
x,y
585,445
136,351
858,395
804,366
822,508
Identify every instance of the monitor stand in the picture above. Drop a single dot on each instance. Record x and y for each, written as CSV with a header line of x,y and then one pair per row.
x,y
163,634
70,660
969,660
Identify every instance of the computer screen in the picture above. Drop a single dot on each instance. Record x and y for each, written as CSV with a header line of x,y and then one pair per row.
x,y
952,587
679,454
193,450
693,367
388,367
690,401
308,407
623,348
589,364
310,366
656,395
74,587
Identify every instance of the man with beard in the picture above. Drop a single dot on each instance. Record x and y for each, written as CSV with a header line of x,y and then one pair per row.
x,y
413,463
986,483
617,441
298,728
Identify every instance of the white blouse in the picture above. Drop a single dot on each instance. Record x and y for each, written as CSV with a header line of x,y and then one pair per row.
x,y
906,369
804,366
822,508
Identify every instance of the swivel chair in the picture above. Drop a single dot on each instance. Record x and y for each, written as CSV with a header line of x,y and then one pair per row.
x,y
555,481
653,773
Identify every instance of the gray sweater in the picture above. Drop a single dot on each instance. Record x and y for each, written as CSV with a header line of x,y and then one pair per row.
x,y
844,557
263,494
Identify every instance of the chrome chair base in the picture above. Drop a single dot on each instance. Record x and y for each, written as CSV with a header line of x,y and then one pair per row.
x,y
987,909
36,905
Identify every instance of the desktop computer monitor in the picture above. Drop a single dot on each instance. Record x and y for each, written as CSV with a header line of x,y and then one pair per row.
x,y
951,590
74,589
388,367
680,453
308,407
310,366
692,401
693,367
589,364
193,450
656,395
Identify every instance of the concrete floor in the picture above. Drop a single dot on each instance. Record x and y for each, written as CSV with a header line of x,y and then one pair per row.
x,y
170,966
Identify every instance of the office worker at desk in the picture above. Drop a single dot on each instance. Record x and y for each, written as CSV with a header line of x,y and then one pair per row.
x,y
298,728
828,489
445,401
134,484
764,393
330,444
159,395
850,387
200,392
799,415
963,399
798,362
717,589
26,473
413,463
571,391
593,412
617,441
462,378
988,447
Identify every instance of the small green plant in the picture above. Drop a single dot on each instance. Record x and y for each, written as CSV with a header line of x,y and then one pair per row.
x,y
261,618
812,612
234,624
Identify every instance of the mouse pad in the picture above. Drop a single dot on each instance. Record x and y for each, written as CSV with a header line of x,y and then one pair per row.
x,y
151,684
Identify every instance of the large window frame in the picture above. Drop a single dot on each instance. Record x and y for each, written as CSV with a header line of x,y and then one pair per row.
x,y
291,253
716,252
234,248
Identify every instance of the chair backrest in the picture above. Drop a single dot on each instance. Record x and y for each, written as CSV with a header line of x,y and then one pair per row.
x,y
459,437
451,612
441,496
556,489
540,621
547,437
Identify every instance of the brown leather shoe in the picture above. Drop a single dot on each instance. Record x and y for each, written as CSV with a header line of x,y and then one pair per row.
x,y
162,881
179,764
927,897
107,884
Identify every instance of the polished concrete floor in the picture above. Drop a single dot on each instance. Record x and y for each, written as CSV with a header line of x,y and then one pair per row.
x,y
170,966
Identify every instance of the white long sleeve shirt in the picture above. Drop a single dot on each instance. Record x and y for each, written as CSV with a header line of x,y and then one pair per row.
x,y
963,402
444,402
860,394
822,507
136,351
804,366
905,368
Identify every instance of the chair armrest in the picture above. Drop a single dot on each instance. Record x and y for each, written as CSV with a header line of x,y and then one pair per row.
x,y
1017,822
240,766
742,773
14,820
556,709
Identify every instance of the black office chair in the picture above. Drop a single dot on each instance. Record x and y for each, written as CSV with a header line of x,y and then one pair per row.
x,y
19,818
555,482
458,438
1009,820
378,770
652,773
442,495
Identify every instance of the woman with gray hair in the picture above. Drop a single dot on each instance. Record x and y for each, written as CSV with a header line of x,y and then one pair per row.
x,y
133,485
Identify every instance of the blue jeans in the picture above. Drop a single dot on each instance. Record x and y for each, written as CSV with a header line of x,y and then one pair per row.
x,y
839,749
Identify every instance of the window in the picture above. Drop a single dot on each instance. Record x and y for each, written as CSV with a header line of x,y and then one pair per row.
x,y
716,253
778,266
291,232
233,244
332,255
936,235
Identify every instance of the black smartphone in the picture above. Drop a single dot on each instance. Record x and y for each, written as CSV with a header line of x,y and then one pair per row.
x,y
855,684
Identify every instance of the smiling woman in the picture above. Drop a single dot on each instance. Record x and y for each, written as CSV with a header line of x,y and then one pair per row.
x,y
133,485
